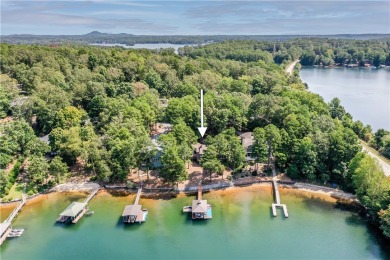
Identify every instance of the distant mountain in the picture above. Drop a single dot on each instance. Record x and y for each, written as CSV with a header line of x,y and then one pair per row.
x,y
131,39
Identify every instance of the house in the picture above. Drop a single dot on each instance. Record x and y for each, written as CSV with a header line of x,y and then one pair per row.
x,y
198,151
247,140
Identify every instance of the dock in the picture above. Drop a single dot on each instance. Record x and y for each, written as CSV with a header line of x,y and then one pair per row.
x,y
277,203
76,210
134,213
200,209
5,227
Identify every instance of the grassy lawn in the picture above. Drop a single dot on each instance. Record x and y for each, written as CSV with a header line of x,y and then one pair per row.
x,y
15,192
375,152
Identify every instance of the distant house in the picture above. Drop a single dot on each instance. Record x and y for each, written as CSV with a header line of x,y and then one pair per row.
x,y
247,140
198,151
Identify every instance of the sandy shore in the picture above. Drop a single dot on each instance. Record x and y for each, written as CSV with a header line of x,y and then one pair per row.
x,y
303,188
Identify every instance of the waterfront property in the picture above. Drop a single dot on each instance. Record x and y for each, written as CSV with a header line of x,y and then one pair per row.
x,y
76,210
200,209
134,213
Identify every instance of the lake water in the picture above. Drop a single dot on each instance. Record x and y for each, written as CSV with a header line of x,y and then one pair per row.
x,y
151,46
365,93
242,228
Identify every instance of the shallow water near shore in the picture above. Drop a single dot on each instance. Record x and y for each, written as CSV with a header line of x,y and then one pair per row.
x,y
242,227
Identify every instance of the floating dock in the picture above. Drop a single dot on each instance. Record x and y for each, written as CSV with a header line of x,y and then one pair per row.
x,y
76,210
134,213
5,227
200,209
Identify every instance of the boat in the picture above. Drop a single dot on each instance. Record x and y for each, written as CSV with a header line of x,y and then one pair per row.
x,y
16,232
89,212
187,209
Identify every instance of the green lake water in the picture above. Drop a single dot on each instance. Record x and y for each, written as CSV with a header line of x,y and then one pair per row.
x,y
242,227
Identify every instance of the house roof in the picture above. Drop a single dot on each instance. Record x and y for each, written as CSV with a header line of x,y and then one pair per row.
x,y
199,206
3,227
73,209
45,139
131,210
247,139
199,148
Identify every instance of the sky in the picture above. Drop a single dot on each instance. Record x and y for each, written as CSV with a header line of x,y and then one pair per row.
x,y
52,17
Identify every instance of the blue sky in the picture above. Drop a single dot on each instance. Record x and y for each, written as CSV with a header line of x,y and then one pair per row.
x,y
194,17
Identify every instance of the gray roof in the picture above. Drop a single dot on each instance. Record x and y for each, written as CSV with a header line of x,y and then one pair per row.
x,y
4,226
247,140
45,139
131,210
199,206
199,148
73,209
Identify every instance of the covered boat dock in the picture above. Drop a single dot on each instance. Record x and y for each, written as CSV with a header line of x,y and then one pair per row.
x,y
135,213
74,212
200,209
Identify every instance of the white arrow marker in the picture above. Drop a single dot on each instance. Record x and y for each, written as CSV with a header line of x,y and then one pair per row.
x,y
201,129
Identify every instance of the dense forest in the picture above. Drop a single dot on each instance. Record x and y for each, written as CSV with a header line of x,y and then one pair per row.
x,y
311,51
99,105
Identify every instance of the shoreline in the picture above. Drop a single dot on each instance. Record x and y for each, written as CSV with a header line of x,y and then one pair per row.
x,y
335,194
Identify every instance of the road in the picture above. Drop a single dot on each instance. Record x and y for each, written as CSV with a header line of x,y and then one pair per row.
x,y
290,67
385,166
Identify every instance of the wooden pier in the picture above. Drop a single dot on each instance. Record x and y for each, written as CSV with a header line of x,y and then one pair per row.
x,y
90,196
5,227
277,203
76,210
138,196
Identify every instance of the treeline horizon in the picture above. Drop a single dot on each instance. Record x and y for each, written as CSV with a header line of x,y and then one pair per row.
x,y
131,39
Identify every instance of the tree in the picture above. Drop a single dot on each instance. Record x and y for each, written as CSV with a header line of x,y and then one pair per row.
x,y
58,168
273,138
38,170
305,161
384,216
336,110
371,185
173,168
68,117
8,91
260,147
210,162
67,143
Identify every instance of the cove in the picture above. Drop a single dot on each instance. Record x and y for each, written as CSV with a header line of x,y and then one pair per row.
x,y
364,92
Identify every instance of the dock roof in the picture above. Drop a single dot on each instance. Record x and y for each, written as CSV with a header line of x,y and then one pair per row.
x,y
131,210
73,209
3,227
199,206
